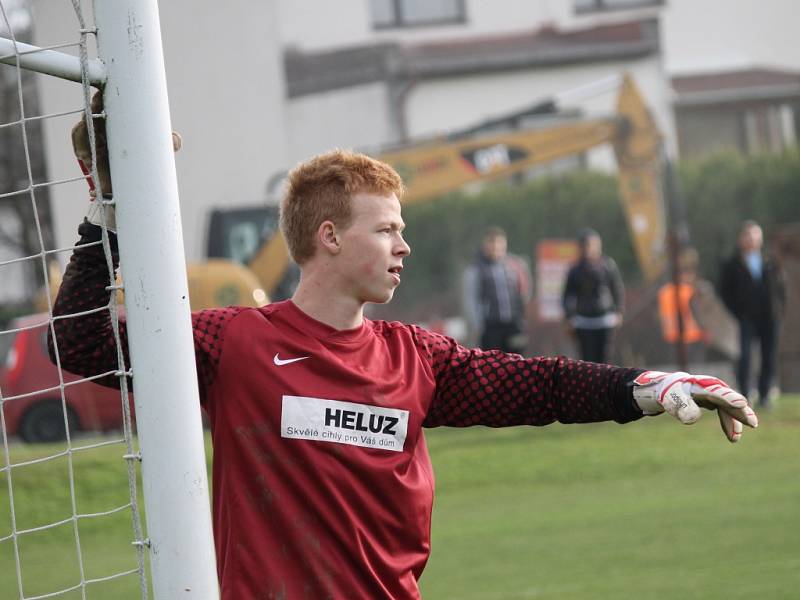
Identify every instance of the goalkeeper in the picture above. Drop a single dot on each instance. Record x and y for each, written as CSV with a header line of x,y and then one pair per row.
x,y
322,483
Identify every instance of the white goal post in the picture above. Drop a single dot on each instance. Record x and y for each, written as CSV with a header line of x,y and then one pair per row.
x,y
175,485
151,250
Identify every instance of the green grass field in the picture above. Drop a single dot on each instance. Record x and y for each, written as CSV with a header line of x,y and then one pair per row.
x,y
649,510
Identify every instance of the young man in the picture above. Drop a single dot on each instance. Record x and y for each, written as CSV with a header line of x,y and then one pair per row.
x,y
323,487
593,298
497,287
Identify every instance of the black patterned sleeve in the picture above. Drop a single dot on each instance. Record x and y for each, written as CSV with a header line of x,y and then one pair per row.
x,y
208,327
489,387
86,344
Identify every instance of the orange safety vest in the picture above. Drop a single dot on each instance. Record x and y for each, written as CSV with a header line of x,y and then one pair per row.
x,y
668,314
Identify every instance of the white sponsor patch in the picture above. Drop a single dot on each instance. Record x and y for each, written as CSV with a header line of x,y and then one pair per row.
x,y
322,420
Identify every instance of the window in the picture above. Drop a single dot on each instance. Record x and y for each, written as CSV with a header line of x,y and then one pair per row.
x,y
768,128
6,343
796,117
413,13
584,6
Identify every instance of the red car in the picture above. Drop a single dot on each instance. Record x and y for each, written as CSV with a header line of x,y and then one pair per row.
x,y
32,403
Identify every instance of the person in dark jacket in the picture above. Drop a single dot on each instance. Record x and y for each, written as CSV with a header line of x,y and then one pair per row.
x,y
593,298
497,287
753,289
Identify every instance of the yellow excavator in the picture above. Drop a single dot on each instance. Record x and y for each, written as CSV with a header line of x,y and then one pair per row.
x,y
439,166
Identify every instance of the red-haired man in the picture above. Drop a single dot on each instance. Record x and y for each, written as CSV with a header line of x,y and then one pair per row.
x,y
323,487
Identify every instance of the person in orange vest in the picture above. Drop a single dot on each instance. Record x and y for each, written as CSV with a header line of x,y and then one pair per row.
x,y
669,306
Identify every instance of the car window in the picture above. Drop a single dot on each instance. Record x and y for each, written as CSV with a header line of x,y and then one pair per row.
x,y
43,340
6,342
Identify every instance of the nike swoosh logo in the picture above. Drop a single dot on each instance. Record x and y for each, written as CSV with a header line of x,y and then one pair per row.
x,y
286,361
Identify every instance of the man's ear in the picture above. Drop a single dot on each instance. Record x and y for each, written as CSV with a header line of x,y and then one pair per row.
x,y
328,237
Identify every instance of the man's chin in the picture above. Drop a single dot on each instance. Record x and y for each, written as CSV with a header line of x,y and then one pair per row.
x,y
384,298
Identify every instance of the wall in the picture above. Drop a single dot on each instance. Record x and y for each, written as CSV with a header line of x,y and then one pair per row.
x,y
706,131
226,100
309,28
355,117
710,34
307,25
725,35
318,25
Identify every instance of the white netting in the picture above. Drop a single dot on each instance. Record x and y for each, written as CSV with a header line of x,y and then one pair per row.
x,y
69,509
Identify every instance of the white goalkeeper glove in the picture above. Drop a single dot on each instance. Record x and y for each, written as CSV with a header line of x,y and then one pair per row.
x,y
681,395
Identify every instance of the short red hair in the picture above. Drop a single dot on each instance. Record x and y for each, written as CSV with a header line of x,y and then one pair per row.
x,y
320,189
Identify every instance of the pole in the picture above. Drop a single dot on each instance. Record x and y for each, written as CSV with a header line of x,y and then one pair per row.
x,y
49,62
168,419
675,273
676,240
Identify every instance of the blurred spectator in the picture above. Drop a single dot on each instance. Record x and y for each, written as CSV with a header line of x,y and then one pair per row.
x,y
753,289
593,298
670,305
497,287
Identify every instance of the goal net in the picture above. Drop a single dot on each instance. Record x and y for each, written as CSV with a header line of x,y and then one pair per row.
x,y
74,479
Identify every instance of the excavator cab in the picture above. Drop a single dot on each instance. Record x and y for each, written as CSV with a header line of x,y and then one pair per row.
x,y
238,236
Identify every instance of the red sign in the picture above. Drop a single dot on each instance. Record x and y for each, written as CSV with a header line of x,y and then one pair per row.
x,y
553,260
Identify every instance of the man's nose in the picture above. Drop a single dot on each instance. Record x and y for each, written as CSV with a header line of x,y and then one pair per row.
x,y
402,248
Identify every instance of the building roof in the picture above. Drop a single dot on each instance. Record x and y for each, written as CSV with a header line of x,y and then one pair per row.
x,y
744,85
544,47
312,72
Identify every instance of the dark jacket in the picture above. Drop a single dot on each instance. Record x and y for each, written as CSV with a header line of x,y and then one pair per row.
x,y
750,299
593,289
496,292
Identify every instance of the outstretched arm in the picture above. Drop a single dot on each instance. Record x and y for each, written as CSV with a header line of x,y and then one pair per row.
x,y
476,387
489,387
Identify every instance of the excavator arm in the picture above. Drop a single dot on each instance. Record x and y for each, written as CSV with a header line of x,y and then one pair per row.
x,y
438,168
638,151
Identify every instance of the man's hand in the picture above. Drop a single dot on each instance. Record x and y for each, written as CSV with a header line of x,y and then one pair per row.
x,y
83,152
682,395
83,148
97,213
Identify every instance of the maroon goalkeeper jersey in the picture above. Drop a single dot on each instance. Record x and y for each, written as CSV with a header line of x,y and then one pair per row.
x,y
322,484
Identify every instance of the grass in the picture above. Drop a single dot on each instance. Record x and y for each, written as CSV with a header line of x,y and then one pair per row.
x,y
648,510
49,558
